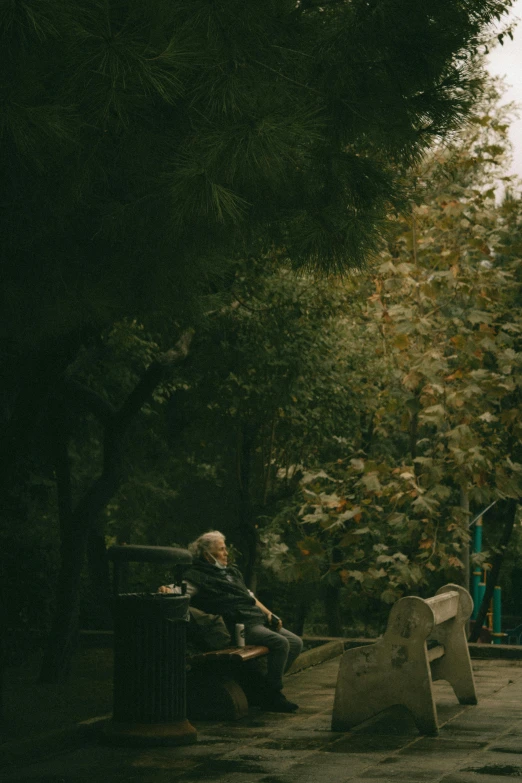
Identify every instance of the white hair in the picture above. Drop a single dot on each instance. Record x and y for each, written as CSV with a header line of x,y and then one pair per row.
x,y
204,543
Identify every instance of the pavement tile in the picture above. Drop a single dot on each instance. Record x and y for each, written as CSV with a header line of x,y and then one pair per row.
x,y
472,777
425,746
310,774
413,778
508,745
99,763
369,743
494,758
271,762
293,743
403,772
481,722
483,737
515,730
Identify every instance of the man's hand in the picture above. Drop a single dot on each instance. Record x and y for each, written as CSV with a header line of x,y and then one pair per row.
x,y
269,616
270,622
165,589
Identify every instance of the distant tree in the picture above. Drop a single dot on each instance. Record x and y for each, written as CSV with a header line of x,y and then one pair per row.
x,y
443,390
268,387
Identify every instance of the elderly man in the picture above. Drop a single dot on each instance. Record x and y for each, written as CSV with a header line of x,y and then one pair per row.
x,y
216,587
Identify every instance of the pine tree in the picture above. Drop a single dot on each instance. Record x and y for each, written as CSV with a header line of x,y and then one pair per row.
x,y
144,144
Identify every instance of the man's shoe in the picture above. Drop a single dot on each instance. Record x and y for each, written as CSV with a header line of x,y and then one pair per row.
x,y
279,703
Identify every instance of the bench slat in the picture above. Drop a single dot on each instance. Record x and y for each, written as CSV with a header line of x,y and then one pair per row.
x,y
246,653
444,606
435,652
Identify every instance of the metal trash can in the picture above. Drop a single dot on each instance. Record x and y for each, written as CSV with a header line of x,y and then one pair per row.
x,y
149,657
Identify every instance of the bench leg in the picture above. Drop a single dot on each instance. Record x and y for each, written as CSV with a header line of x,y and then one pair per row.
x,y
379,676
214,696
455,668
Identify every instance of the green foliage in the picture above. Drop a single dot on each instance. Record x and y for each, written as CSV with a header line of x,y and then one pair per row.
x,y
364,407
144,146
173,162
441,389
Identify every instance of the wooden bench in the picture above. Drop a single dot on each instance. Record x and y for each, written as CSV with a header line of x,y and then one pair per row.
x,y
218,682
425,640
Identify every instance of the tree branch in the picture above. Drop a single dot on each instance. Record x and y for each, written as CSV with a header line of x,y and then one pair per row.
x,y
149,380
89,399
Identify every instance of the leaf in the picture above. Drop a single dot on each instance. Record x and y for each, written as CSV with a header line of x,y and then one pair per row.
x,y
455,562
390,596
412,380
371,482
423,503
384,559
329,501
312,476
401,341
489,417
351,514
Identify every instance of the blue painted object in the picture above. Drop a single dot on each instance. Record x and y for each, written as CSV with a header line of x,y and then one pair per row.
x,y
497,615
477,546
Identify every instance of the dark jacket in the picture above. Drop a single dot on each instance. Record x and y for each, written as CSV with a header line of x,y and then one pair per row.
x,y
223,591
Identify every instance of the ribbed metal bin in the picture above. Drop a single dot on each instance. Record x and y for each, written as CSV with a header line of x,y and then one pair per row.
x,y
149,658
150,691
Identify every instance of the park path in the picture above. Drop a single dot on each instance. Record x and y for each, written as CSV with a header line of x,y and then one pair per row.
x,y
476,744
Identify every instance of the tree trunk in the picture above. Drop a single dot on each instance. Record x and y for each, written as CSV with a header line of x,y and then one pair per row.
x,y
246,511
332,594
268,471
64,630
80,522
367,432
3,650
464,504
509,510
300,615
63,636
100,577
414,408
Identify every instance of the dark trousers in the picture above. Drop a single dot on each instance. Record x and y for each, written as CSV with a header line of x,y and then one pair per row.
x,y
284,647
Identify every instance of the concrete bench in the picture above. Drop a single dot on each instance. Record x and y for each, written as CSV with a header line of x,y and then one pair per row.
x,y
218,682
425,640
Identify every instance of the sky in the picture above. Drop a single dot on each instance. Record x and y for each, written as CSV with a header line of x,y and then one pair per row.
x,y
506,61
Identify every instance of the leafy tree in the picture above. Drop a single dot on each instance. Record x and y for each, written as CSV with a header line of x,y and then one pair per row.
x,y
443,316
267,385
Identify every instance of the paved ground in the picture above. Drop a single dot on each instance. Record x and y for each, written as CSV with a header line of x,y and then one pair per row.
x,y
477,744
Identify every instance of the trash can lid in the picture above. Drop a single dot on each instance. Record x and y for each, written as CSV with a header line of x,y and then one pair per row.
x,y
133,553
151,606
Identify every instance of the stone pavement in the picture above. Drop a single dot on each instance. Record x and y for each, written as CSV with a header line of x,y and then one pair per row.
x,y
477,744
